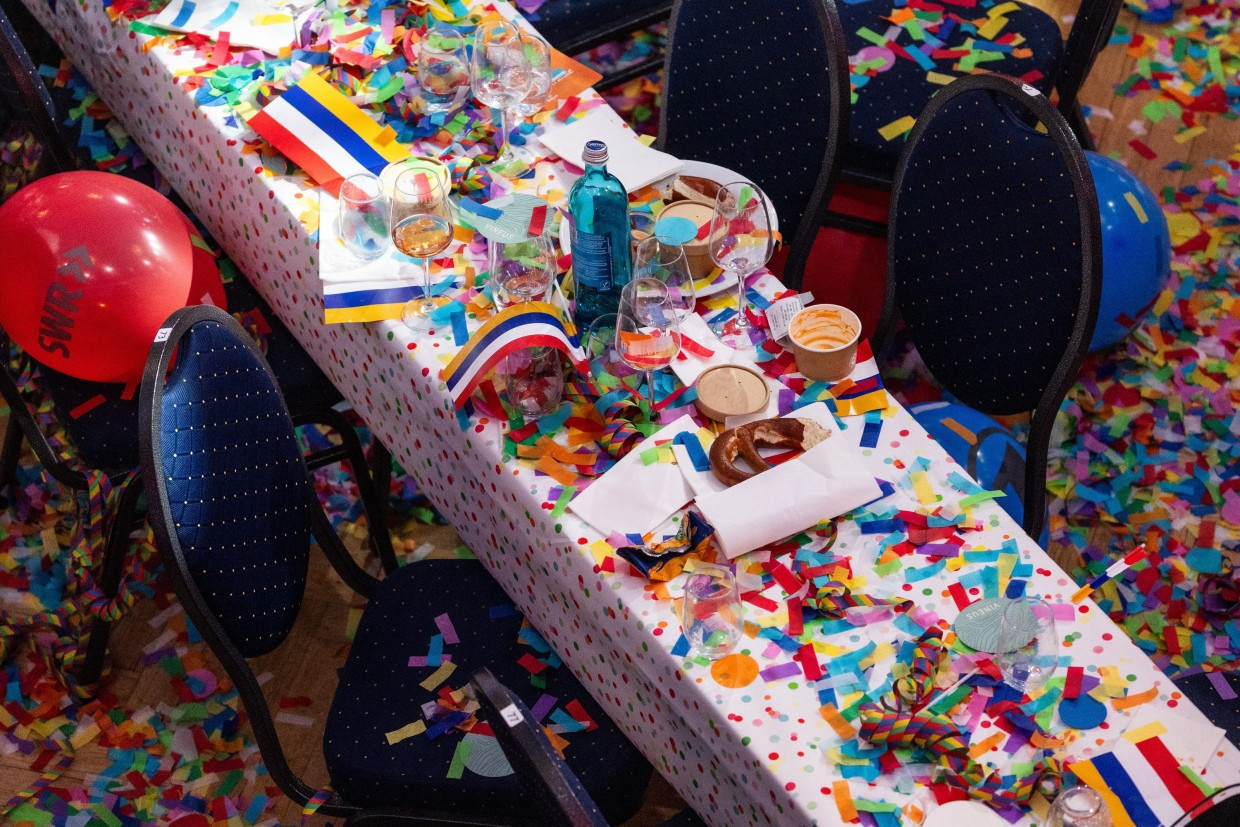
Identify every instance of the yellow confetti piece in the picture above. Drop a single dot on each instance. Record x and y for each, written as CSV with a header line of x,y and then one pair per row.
x,y
1135,700
271,19
438,676
922,488
84,735
1187,135
600,550
407,731
939,78
897,127
1143,733
1136,207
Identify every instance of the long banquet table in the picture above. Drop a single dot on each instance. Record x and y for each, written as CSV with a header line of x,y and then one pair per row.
x,y
740,746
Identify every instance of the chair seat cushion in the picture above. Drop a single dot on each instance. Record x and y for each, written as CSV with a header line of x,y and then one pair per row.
x,y
567,22
903,90
379,692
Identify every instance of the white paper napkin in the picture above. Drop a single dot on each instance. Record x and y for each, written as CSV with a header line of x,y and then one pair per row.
x,y
634,163
244,20
633,498
830,479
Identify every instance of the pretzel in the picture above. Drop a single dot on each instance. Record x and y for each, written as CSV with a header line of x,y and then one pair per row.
x,y
742,442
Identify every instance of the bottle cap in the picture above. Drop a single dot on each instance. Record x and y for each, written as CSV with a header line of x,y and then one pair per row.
x,y
595,153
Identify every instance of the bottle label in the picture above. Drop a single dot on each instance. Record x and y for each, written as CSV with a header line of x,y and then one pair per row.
x,y
592,259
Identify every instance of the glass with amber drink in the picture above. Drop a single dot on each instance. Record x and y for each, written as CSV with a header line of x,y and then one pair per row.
x,y
422,229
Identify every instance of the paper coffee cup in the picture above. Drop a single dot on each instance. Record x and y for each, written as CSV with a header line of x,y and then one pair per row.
x,y
824,341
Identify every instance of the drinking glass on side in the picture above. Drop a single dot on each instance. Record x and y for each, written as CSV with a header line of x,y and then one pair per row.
x,y
421,229
363,218
1028,649
710,612
443,69
1079,806
521,271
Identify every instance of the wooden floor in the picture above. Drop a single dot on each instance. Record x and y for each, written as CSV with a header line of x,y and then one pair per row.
x,y
309,659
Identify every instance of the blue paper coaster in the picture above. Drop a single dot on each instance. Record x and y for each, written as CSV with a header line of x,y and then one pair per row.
x,y
1082,712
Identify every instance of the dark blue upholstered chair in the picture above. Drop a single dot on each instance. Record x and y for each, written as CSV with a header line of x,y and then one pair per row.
x,y
576,26
995,258
904,89
234,510
762,89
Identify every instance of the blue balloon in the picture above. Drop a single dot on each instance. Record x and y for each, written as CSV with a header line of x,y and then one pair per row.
x,y
989,452
1136,249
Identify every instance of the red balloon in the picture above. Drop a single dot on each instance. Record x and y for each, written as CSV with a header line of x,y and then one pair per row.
x,y
97,264
206,286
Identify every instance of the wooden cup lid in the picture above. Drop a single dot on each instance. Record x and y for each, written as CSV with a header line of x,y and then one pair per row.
x,y
731,390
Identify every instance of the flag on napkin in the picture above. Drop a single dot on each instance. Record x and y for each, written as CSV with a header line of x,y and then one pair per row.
x,y
326,134
1142,783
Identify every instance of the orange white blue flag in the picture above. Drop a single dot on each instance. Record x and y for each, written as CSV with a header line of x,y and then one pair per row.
x,y
326,134
530,324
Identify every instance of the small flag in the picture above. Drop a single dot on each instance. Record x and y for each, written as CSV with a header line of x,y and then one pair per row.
x,y
326,134
529,324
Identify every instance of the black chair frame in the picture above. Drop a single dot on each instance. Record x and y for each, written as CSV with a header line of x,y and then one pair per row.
x,y
1043,415
816,208
622,27
22,424
29,98
195,605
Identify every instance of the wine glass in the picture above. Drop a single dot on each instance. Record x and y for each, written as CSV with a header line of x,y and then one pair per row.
x,y
443,73
522,271
500,79
660,258
537,54
421,228
741,241
1028,648
647,331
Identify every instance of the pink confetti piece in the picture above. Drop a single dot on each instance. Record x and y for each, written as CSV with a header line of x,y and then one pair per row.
x,y
1221,686
447,629
420,660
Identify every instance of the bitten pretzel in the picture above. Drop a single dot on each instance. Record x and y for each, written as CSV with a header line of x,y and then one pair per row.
x,y
742,441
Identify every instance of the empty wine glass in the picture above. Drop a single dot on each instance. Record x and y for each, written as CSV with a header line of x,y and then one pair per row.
x,y
741,241
522,271
421,228
1028,648
647,331
537,54
443,73
660,258
500,79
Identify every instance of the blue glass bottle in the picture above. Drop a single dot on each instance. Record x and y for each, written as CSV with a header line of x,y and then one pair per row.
x,y
602,262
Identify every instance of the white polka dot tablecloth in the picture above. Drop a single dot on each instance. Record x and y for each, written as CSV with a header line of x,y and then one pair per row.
x,y
746,739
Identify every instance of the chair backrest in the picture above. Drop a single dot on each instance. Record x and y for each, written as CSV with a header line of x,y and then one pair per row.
x,y
1091,30
231,502
762,89
22,90
994,246
994,256
565,801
